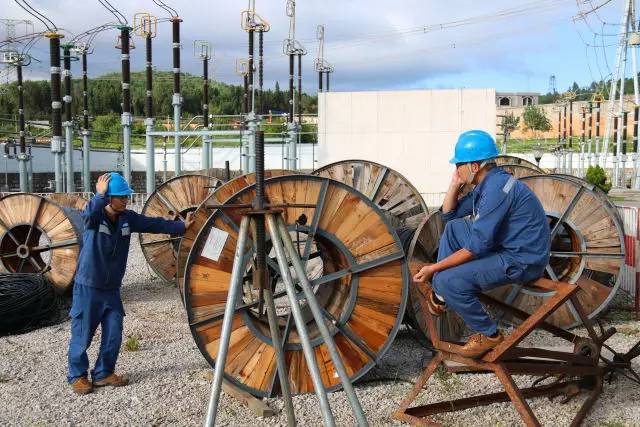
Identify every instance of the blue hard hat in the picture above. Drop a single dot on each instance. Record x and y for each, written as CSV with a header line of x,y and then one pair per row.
x,y
118,186
474,146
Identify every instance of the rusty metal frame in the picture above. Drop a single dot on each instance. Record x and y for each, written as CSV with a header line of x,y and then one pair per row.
x,y
507,359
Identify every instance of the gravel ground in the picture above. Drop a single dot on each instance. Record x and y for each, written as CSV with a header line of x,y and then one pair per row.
x,y
170,379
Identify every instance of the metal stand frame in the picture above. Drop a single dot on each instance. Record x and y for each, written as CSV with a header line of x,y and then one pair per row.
x,y
286,255
578,370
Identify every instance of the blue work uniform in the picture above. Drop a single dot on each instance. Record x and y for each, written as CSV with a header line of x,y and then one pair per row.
x,y
509,237
96,291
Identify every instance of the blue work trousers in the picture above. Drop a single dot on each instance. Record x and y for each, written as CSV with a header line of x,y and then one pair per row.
x,y
460,286
92,307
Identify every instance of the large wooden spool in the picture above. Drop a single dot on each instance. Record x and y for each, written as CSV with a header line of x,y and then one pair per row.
x,y
423,249
172,200
40,236
519,171
388,189
504,159
588,249
355,262
68,200
206,208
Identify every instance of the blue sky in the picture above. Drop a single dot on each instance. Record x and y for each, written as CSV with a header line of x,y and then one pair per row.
x,y
374,44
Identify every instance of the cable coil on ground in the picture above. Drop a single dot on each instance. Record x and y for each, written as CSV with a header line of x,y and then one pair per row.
x,y
27,301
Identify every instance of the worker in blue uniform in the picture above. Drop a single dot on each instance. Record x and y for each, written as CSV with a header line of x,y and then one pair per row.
x,y
496,234
101,267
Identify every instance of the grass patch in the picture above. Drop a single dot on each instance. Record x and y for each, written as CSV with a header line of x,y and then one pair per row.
x,y
4,378
132,343
449,381
628,330
613,423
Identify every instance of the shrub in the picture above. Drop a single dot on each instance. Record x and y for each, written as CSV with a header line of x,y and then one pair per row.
x,y
598,177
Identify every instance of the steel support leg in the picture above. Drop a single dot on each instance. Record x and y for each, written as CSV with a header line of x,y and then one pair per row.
x,y
126,149
294,257
86,162
68,157
234,292
151,158
296,311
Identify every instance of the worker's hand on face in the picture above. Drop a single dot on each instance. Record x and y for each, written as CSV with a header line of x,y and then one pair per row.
x,y
456,180
189,220
424,275
103,183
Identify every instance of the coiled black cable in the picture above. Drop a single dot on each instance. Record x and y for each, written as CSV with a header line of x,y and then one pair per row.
x,y
27,302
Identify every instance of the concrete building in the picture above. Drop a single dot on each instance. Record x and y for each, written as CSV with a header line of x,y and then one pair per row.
x,y
413,132
516,99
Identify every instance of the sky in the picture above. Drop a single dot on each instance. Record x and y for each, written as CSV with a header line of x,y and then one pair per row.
x,y
510,45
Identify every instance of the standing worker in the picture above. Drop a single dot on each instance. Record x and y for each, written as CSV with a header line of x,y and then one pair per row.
x,y
506,240
96,291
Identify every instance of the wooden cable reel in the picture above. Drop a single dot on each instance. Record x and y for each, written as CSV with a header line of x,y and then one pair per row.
x,y
172,200
388,189
588,249
39,236
357,268
504,159
68,200
204,209
519,171
423,249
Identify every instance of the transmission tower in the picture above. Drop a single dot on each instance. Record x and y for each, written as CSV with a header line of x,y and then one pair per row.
x,y
629,40
552,84
10,32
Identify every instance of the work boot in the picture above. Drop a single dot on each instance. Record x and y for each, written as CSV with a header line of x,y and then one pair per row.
x,y
112,380
82,386
435,308
479,344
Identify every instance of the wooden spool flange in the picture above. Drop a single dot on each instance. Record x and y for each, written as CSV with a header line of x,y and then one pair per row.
x,y
172,200
423,249
512,160
588,249
205,208
357,268
39,236
67,200
388,189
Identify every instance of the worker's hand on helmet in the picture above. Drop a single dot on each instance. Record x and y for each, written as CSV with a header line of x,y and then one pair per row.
x,y
424,275
189,220
103,183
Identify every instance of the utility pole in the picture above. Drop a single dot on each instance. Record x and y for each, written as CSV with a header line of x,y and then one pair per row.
x,y
68,116
177,98
293,47
56,107
629,38
125,45
251,22
320,64
146,26
202,51
83,50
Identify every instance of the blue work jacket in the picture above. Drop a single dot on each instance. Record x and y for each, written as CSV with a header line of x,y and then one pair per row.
x,y
507,218
105,247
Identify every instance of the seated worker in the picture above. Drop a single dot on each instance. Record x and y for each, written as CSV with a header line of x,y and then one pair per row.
x,y
101,266
505,240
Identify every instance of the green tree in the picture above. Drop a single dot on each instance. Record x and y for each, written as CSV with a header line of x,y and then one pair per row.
x,y
535,120
598,177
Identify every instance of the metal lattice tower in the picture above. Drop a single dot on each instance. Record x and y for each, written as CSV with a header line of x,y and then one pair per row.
x,y
629,40
552,84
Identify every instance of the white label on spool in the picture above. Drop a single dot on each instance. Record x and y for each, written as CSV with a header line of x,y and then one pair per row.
x,y
214,244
